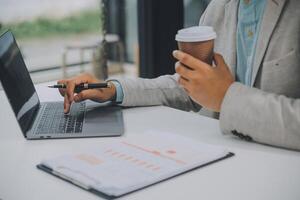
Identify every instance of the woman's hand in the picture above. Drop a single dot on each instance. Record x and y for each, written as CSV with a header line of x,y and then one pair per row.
x,y
207,85
98,95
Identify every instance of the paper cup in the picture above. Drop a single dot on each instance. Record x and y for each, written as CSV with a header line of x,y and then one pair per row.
x,y
197,41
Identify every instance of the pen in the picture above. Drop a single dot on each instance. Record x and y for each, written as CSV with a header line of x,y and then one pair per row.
x,y
83,86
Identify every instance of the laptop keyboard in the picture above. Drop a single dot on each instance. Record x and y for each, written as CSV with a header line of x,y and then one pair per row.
x,y
53,119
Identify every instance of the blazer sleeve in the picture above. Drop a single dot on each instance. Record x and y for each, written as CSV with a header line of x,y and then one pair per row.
x,y
265,117
163,90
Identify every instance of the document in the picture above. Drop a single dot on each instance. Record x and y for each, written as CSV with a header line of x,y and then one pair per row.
x,y
120,166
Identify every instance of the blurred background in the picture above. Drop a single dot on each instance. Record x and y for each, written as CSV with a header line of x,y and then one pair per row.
x,y
59,39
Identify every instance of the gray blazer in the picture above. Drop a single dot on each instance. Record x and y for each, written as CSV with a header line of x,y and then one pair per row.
x,y
269,111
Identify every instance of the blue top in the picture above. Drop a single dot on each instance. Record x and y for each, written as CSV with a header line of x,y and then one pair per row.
x,y
250,15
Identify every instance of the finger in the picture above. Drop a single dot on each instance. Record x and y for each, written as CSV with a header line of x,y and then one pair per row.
x,y
220,63
182,81
183,71
70,90
190,61
61,90
81,96
96,95
187,91
219,60
66,104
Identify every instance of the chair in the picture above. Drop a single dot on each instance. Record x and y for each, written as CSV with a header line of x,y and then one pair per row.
x,y
95,47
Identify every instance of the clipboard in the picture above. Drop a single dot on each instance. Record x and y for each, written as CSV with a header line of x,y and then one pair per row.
x,y
143,140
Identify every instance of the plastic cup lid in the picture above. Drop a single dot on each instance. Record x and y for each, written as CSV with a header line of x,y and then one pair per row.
x,y
196,34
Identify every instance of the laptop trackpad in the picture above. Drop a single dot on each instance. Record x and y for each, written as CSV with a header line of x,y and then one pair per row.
x,y
106,121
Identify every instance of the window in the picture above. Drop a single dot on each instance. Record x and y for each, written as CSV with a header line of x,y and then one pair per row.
x,y
60,38
53,34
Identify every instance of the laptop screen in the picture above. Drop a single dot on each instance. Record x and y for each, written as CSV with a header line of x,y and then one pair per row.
x,y
16,82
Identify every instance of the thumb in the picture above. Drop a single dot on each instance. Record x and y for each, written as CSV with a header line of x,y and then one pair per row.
x,y
219,60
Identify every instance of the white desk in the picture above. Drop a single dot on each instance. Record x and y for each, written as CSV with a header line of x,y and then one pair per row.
x,y
256,172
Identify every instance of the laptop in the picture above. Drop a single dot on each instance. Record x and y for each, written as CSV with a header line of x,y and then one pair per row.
x,y
47,120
